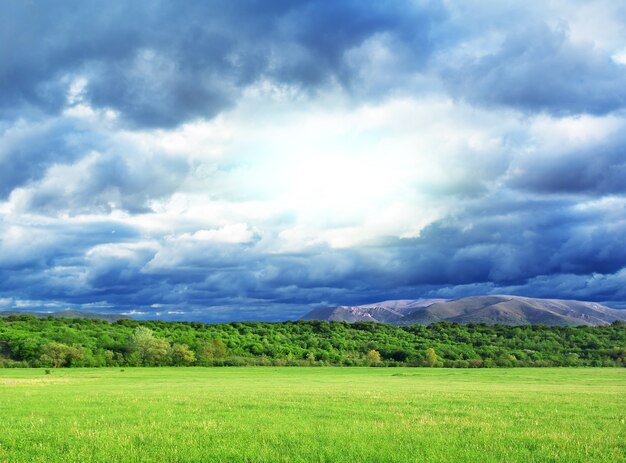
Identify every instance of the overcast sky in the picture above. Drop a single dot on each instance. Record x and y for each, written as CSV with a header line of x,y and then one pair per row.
x,y
248,160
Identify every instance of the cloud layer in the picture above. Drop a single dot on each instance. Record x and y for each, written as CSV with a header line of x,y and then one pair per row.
x,y
253,160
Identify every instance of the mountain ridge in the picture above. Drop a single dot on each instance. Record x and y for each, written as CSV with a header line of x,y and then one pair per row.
x,y
493,309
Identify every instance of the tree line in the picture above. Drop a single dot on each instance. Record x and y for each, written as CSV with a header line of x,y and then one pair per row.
x,y
26,341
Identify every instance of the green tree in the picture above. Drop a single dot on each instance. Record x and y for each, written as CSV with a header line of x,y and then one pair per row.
x,y
59,342
182,355
431,357
213,349
150,350
56,354
157,355
373,357
109,357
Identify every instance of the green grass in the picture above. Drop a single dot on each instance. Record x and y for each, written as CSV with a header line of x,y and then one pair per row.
x,y
313,414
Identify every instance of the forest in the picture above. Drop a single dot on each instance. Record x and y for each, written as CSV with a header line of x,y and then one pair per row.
x,y
26,341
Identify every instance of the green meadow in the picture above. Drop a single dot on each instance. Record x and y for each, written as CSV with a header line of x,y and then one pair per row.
x,y
300,414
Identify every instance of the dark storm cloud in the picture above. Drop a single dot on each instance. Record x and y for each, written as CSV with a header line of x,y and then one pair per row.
x,y
160,64
534,248
48,261
609,289
36,246
68,165
186,275
27,151
508,241
596,170
539,68
104,182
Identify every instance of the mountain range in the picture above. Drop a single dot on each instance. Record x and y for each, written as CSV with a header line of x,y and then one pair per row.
x,y
498,309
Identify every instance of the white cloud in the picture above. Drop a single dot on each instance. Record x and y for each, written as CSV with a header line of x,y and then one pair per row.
x,y
341,174
232,233
620,57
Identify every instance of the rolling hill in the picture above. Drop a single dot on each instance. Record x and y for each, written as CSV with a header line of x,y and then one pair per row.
x,y
500,309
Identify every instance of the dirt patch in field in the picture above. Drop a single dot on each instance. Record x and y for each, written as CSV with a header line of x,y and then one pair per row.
x,y
31,381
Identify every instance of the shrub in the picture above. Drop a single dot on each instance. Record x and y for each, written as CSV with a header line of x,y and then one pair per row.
x,y
373,358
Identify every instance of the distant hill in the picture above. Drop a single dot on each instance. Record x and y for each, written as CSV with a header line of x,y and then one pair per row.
x,y
392,312
65,314
501,309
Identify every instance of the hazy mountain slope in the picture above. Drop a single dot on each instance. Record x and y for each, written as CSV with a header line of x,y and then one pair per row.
x,y
65,314
355,314
403,305
392,312
508,310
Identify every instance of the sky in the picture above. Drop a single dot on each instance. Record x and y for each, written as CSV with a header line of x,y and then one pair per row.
x,y
253,160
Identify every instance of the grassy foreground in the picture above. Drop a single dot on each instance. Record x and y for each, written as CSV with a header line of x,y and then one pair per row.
x,y
269,414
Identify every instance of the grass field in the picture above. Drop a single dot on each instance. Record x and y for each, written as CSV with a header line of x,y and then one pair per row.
x,y
313,414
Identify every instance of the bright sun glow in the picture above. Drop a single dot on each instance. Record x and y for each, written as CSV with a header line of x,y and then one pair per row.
x,y
335,185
